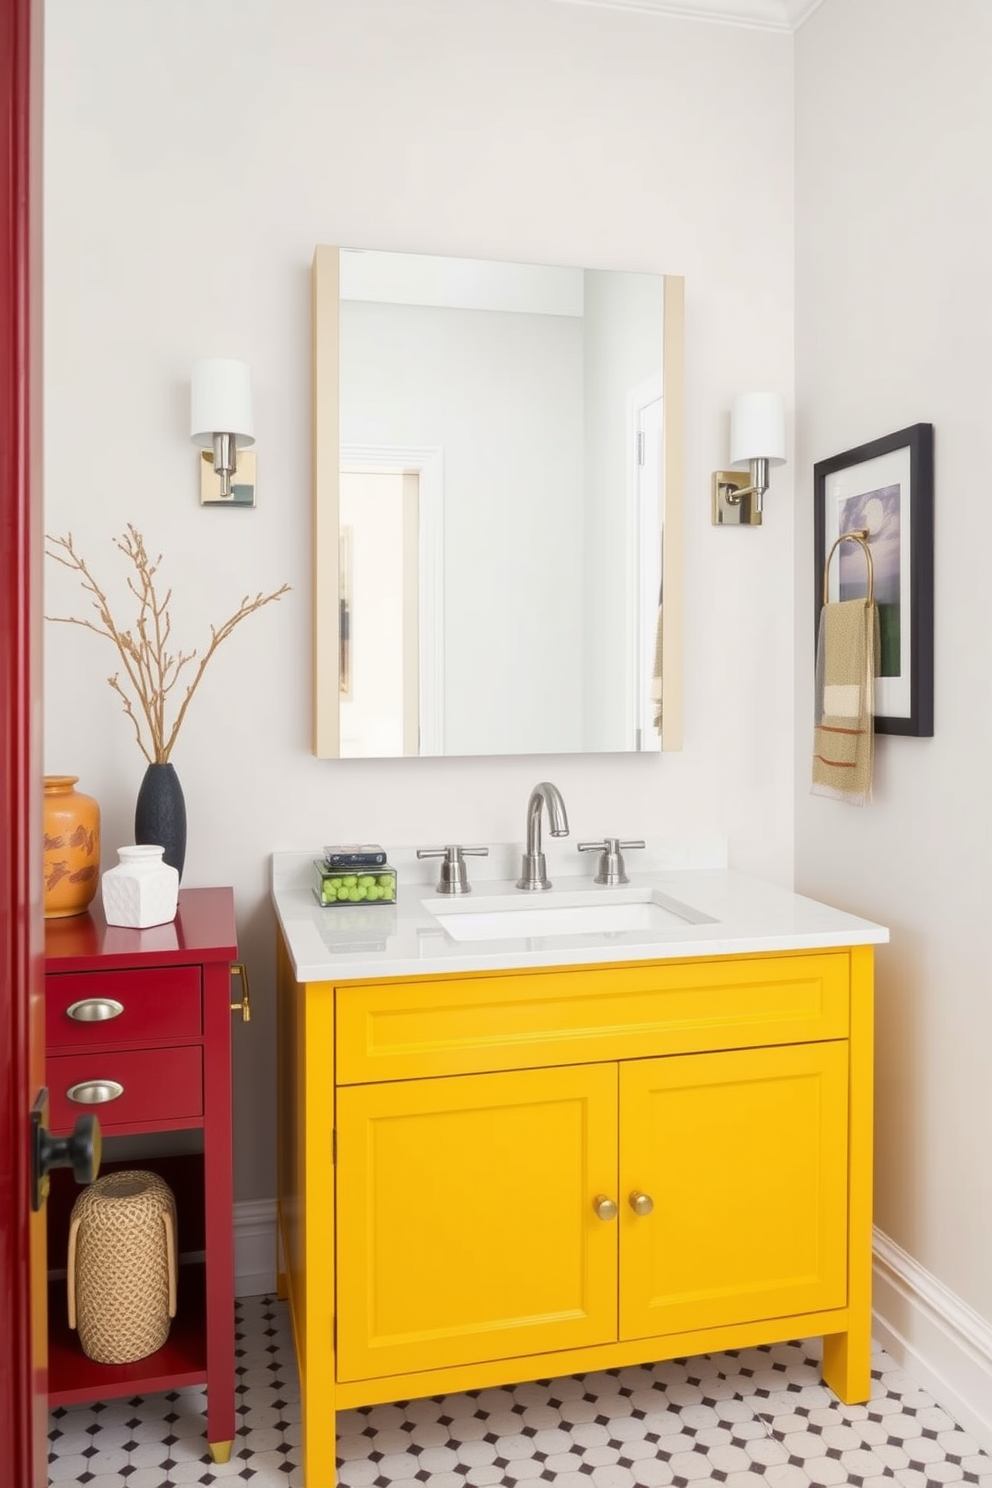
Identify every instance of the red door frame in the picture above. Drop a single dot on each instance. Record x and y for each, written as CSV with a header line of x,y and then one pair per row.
x,y
23,1362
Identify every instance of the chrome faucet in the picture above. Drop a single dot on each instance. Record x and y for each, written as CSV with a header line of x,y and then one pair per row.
x,y
533,869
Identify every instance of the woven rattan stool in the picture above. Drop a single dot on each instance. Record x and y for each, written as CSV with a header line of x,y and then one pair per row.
x,y
122,1266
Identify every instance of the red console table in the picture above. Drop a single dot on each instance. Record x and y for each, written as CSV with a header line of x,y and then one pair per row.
x,y
149,1011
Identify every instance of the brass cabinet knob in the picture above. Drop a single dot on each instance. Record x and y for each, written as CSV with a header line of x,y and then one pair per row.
x,y
243,1006
641,1203
605,1208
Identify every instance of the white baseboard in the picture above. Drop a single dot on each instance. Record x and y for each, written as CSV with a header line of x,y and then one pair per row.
x,y
254,1248
938,1339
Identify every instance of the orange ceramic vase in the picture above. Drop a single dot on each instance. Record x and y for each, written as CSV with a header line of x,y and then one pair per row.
x,y
72,847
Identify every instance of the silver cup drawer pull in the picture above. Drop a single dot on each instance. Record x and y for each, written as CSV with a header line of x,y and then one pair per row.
x,y
95,1092
95,1009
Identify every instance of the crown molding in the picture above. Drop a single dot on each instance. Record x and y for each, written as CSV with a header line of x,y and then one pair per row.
x,y
766,15
798,11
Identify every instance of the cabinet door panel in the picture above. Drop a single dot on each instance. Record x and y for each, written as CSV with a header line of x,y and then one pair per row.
x,y
466,1228
744,1154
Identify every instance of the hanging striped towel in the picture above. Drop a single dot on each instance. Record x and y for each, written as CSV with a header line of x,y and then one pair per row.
x,y
843,737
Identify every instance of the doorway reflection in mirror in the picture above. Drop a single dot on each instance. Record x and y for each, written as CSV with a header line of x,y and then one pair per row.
x,y
379,526
344,624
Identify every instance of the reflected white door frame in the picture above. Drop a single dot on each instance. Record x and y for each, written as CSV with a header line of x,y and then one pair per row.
x,y
428,465
645,537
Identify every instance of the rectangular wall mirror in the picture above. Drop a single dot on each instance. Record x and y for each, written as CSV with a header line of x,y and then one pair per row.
x,y
497,507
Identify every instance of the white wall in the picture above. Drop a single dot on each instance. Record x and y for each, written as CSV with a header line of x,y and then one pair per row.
x,y
196,151
894,246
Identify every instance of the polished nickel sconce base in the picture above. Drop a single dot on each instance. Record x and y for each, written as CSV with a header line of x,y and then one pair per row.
x,y
734,503
242,482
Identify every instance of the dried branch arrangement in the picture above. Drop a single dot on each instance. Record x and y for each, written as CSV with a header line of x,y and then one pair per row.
x,y
151,670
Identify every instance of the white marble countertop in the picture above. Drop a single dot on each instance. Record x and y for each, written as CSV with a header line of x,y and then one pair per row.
x,y
352,942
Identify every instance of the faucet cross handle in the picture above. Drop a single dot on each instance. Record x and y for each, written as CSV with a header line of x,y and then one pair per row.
x,y
454,875
611,868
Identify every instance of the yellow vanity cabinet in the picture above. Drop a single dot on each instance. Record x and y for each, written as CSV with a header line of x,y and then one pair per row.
x,y
484,1217
739,1162
520,1174
465,1218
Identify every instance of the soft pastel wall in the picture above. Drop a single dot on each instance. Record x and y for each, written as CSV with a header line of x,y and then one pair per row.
x,y
196,151
894,243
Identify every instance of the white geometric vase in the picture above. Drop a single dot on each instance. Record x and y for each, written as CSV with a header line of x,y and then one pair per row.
x,y
142,890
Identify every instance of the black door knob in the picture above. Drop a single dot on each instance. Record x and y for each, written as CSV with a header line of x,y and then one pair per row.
x,y
80,1151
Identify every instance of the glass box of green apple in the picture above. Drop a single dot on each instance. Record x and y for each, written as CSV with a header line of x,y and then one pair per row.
x,y
356,885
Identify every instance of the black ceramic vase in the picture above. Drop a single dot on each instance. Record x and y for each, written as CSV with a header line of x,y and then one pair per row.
x,y
160,814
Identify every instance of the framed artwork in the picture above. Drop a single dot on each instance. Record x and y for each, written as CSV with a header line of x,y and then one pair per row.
x,y
884,490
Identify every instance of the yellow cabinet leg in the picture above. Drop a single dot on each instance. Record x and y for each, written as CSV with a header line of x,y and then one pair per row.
x,y
847,1356
320,1444
221,1451
847,1365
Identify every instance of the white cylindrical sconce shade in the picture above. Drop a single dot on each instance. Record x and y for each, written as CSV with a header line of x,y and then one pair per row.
x,y
220,402
757,429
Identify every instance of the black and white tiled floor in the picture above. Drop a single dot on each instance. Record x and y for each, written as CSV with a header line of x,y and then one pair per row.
x,y
737,1419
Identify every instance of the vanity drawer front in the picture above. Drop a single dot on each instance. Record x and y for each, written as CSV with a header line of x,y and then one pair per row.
x,y
81,1008
159,1088
462,1025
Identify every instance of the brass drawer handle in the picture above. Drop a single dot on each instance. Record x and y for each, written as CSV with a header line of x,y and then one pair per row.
x,y
95,1092
605,1208
95,1009
238,968
641,1203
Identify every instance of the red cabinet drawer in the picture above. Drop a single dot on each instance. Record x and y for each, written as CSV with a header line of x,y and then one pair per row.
x,y
81,1008
158,1086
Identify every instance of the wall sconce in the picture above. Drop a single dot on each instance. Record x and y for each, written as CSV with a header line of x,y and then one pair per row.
x,y
757,440
221,424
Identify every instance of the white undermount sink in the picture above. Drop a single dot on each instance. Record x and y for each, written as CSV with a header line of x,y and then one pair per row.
x,y
590,912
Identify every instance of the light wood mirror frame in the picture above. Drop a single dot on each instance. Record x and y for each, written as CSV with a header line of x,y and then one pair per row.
x,y
326,430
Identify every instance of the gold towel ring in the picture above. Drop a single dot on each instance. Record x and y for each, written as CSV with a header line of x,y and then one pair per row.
x,y
861,537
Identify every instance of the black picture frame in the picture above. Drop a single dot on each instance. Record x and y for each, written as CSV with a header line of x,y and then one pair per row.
x,y
886,488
